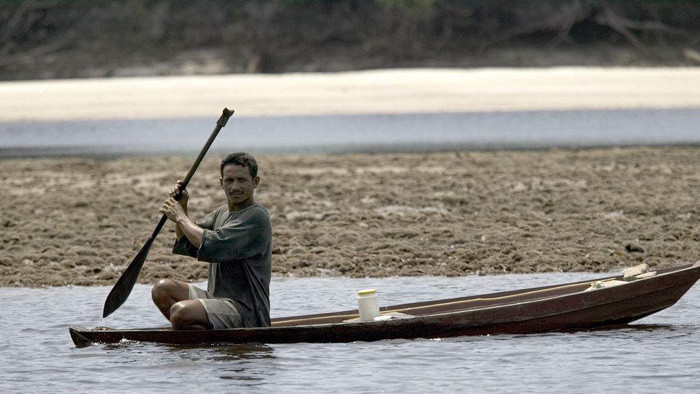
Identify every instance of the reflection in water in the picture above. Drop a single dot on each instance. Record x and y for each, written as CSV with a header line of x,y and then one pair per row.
x,y
242,362
221,352
251,351
245,352
641,327
238,376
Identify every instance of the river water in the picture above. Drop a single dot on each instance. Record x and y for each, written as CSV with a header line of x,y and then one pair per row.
x,y
657,354
357,133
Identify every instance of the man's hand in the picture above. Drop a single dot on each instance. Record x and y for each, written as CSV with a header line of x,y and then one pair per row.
x,y
185,195
183,225
173,213
173,210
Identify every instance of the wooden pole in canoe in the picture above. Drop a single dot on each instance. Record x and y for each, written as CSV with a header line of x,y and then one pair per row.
x,y
121,290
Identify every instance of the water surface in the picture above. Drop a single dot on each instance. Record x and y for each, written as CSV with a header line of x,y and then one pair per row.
x,y
657,355
357,133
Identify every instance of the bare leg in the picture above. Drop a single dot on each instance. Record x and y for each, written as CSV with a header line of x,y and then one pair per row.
x,y
189,315
166,292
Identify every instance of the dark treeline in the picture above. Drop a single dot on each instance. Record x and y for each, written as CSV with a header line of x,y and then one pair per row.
x,y
66,39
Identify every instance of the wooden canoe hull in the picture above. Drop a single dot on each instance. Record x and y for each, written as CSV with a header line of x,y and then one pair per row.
x,y
552,308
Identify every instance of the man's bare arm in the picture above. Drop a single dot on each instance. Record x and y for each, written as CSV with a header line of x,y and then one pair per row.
x,y
190,230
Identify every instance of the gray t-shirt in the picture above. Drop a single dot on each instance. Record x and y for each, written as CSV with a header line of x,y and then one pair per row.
x,y
238,246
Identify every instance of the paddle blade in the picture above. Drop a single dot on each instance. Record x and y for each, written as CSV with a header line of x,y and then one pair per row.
x,y
121,290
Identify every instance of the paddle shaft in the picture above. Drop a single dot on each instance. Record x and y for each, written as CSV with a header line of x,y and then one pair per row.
x,y
121,290
183,185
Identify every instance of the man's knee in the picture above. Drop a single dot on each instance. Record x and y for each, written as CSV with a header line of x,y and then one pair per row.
x,y
188,314
166,289
178,315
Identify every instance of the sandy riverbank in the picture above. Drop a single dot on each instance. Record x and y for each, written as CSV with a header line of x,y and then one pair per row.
x,y
79,221
362,92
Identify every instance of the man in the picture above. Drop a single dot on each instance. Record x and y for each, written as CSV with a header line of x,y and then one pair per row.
x,y
236,239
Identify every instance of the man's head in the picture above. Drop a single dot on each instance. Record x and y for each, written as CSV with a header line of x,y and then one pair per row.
x,y
240,159
239,178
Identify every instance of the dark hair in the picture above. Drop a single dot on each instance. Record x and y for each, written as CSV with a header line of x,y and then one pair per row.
x,y
240,159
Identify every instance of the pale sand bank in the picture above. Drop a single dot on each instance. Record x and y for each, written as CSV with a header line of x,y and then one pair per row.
x,y
363,92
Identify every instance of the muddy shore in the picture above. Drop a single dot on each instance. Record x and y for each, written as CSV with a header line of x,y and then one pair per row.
x,y
76,221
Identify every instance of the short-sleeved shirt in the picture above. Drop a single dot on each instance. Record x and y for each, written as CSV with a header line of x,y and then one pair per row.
x,y
238,246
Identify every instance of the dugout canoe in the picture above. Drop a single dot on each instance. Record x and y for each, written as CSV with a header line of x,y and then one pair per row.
x,y
584,305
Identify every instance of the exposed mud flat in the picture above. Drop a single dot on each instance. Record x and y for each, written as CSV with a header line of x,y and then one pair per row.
x,y
80,221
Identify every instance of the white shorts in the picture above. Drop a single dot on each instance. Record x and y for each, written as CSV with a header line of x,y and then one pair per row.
x,y
222,312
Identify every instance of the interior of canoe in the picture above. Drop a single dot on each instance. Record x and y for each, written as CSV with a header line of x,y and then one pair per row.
x,y
444,306
465,303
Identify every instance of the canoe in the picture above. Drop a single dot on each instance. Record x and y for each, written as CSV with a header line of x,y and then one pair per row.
x,y
584,305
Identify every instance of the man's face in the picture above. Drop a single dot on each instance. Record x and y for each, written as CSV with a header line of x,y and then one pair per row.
x,y
237,183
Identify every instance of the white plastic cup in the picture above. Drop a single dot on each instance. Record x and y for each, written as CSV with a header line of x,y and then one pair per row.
x,y
368,304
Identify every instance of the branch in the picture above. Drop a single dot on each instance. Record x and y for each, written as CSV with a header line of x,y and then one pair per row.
x,y
7,30
562,22
22,13
29,56
649,25
609,18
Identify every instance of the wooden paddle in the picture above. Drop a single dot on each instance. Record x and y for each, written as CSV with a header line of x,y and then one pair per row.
x,y
121,290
